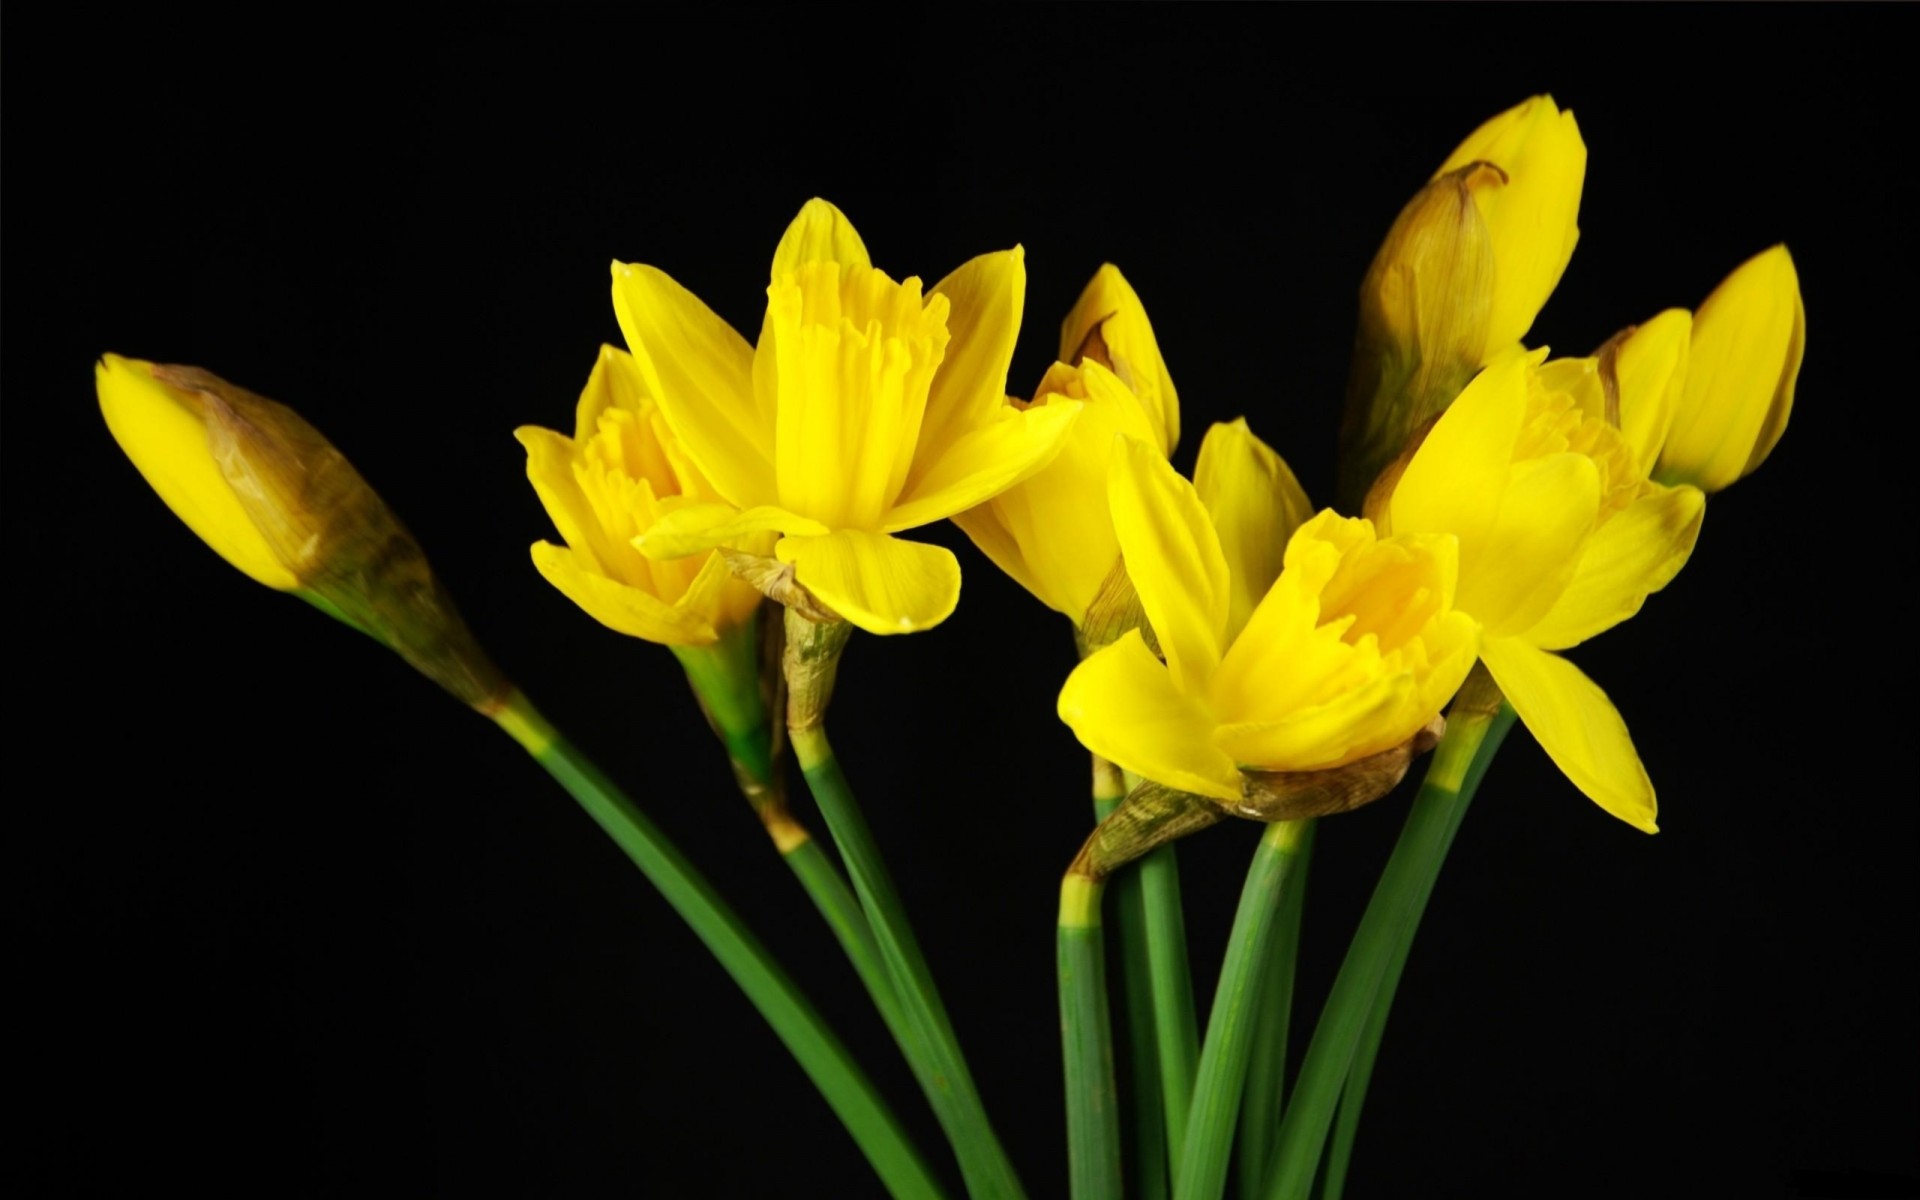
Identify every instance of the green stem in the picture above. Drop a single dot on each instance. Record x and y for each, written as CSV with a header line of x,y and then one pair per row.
x,y
838,906
1177,1029
1267,1073
1147,1167
1353,1096
1236,1003
1407,876
826,1062
1086,1038
956,1102
728,681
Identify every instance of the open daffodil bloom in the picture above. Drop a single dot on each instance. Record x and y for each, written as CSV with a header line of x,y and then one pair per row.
x,y
620,472
1561,537
1347,647
865,409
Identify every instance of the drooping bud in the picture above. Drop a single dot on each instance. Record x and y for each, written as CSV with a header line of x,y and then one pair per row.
x,y
262,487
1424,308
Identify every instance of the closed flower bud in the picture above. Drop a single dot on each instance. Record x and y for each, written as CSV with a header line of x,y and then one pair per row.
x,y
1467,266
1743,361
1423,323
273,497
1532,214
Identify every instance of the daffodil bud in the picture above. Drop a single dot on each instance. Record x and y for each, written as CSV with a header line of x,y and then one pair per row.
x,y
1459,280
273,497
1108,325
1424,309
1742,363
1532,215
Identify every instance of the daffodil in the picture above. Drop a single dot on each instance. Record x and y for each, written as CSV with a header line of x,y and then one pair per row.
x,y
620,471
1744,358
865,409
1052,533
1345,648
1561,537
1530,207
1459,279
274,498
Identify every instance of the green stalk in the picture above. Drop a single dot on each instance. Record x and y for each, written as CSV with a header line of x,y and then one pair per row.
x,y
1267,1073
1086,1038
956,1103
1222,1076
1347,1122
1147,1166
1177,1029
727,680
1407,878
826,1062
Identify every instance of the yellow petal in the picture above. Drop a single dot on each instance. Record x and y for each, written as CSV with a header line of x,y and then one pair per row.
x,y
694,528
1174,559
820,233
162,430
1256,504
1344,728
1052,531
988,460
1122,704
1533,217
1516,570
881,584
1650,373
1748,339
700,372
1631,556
550,469
1576,725
620,608
614,383
1109,325
1454,482
987,295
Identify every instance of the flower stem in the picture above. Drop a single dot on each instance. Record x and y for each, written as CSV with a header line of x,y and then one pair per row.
x,y
728,680
826,1062
1173,1013
1147,1166
1237,1001
1260,1107
1086,1036
1404,883
956,1103
1354,1094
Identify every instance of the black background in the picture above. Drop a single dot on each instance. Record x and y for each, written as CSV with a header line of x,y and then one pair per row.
x,y
287,920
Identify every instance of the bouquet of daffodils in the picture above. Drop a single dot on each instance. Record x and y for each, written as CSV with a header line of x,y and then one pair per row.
x,y
1243,654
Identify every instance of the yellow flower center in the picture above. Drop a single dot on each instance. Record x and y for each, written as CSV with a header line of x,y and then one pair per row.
x,y
853,356
630,481
1566,411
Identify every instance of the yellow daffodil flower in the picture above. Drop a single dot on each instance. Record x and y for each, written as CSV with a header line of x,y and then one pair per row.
x,y
1459,279
1747,342
1530,208
1561,538
621,471
866,409
1052,533
162,423
274,498
1347,647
